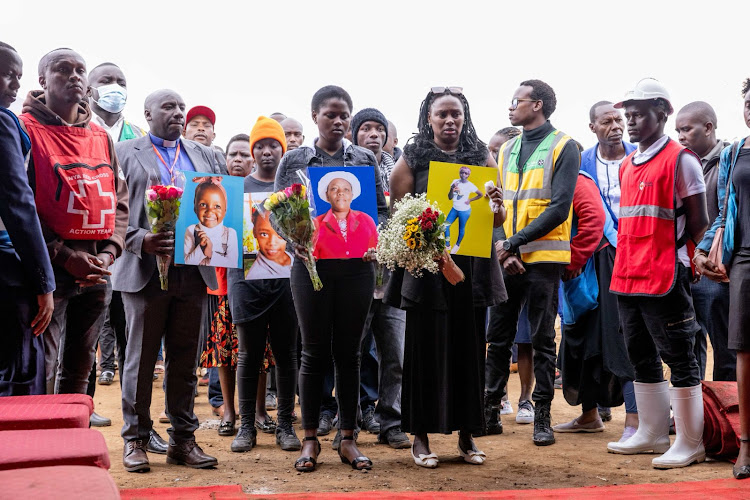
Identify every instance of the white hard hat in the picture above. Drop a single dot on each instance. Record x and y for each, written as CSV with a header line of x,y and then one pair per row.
x,y
647,89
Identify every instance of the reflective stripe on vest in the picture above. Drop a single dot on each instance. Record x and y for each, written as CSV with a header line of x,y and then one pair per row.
x,y
646,259
525,202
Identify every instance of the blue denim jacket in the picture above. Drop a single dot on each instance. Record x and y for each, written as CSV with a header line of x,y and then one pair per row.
x,y
726,167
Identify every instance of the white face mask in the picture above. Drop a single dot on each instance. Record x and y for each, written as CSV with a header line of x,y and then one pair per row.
x,y
112,98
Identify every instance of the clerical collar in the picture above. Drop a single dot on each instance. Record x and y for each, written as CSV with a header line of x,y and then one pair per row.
x,y
163,143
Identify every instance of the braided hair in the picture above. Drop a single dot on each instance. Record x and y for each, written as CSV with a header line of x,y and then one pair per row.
x,y
745,87
421,148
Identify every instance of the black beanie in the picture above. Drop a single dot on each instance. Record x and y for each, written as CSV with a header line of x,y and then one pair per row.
x,y
367,115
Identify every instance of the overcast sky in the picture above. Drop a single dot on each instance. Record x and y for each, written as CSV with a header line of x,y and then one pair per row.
x,y
249,58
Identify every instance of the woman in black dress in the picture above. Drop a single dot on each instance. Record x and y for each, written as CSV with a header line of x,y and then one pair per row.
x,y
443,384
734,186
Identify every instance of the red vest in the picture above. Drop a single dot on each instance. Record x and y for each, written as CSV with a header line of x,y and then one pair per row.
x,y
74,180
646,259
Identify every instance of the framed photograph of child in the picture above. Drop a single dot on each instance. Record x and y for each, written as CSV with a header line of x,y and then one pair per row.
x,y
460,193
209,227
346,211
265,255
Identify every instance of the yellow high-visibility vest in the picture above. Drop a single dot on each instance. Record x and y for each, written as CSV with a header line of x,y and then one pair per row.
x,y
527,193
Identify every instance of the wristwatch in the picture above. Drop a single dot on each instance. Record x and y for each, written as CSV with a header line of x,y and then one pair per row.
x,y
507,246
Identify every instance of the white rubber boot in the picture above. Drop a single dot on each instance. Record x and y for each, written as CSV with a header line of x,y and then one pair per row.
x,y
652,435
687,406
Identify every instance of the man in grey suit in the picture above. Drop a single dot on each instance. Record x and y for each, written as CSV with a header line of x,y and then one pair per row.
x,y
151,312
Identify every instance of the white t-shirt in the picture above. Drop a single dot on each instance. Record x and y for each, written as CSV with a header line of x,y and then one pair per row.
x,y
608,177
688,182
462,197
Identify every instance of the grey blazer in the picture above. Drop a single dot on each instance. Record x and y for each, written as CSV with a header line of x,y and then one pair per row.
x,y
138,163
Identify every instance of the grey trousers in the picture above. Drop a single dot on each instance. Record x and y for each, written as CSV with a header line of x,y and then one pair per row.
x,y
176,315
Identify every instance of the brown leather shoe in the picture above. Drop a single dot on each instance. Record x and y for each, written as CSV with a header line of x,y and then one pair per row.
x,y
134,457
190,454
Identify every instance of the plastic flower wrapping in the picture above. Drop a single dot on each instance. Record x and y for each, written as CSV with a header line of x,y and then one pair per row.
x,y
162,210
293,216
414,236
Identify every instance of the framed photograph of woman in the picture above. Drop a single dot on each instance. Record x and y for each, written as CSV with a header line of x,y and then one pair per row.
x,y
346,211
459,192
265,254
209,227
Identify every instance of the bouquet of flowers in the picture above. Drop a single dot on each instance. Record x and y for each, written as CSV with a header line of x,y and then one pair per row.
x,y
162,209
414,238
291,209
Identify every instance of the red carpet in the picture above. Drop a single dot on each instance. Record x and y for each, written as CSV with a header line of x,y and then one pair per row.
x,y
722,419
719,489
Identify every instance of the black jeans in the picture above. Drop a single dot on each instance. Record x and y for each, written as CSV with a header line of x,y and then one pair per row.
x,y
662,328
278,323
332,320
537,289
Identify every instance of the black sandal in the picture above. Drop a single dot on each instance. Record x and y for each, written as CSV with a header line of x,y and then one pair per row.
x,y
267,426
357,461
226,428
743,471
299,464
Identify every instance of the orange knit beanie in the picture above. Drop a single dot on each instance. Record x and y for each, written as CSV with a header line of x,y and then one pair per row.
x,y
267,128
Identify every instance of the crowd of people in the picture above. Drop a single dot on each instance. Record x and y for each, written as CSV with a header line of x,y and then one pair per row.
x,y
643,250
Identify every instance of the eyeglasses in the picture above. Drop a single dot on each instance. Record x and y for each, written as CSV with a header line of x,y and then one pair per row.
x,y
515,101
443,90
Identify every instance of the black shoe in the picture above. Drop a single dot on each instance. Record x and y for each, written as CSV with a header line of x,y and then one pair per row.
x,y
156,444
369,422
106,377
244,440
337,439
605,414
493,425
286,438
543,434
395,438
267,426
96,420
325,424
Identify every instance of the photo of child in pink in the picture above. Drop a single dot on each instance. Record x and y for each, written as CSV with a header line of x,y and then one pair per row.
x,y
210,242
343,233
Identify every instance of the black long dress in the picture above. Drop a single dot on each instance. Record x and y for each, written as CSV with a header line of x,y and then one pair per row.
x,y
593,355
444,353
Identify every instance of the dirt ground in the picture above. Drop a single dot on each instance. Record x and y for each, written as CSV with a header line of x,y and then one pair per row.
x,y
513,462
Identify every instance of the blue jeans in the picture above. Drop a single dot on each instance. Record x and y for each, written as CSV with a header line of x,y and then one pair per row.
x,y
711,302
463,217
214,388
388,326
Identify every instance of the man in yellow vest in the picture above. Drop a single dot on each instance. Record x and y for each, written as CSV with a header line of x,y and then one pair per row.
x,y
539,172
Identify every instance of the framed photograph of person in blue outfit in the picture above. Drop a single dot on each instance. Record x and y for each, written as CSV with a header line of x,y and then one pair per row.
x,y
346,210
209,227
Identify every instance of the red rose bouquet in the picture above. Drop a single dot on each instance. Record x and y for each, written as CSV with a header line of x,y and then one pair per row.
x,y
162,209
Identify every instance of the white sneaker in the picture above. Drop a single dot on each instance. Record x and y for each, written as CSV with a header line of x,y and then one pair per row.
x,y
525,413
506,408
454,250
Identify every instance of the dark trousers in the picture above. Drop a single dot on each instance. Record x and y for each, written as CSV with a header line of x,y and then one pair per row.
x,y
279,325
175,314
71,337
114,332
328,403
22,353
368,372
711,302
332,321
537,289
662,328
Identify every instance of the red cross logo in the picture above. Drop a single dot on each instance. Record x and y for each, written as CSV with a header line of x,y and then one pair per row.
x,y
103,203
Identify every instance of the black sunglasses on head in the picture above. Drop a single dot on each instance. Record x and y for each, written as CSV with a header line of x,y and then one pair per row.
x,y
443,90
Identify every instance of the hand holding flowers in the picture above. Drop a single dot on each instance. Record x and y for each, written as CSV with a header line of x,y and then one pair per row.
x,y
414,238
162,210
